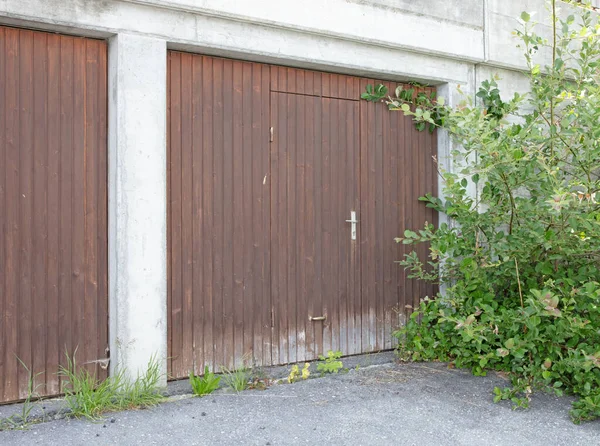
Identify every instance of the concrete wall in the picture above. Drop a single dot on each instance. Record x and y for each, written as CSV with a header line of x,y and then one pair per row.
x,y
443,42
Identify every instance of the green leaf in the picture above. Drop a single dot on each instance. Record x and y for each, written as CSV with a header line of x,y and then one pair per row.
x,y
525,16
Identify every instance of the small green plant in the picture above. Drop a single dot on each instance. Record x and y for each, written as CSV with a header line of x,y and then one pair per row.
x,y
331,363
306,370
206,384
238,379
293,376
295,372
89,397
22,420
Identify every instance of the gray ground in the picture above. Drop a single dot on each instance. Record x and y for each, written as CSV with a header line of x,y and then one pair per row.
x,y
408,404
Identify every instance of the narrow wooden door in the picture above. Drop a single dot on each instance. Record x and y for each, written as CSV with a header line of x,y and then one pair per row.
x,y
314,180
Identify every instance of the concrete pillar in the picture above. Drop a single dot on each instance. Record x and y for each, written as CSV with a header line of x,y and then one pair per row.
x,y
137,203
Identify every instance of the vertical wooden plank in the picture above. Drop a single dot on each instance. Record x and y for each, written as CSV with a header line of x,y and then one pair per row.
x,y
353,181
253,269
187,269
356,255
218,211
25,299
421,210
12,286
229,184
308,223
176,315
340,225
101,129
388,294
275,241
335,223
327,272
265,249
300,82
247,190
291,80
3,205
274,77
169,225
340,83
66,172
318,83
90,207
303,194
319,265
326,84
278,225
40,210
198,257
209,289
397,170
309,82
241,196
10,75
406,202
79,192
282,79
369,239
292,212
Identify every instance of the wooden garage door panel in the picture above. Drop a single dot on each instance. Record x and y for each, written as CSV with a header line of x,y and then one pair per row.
x,y
53,224
257,235
218,242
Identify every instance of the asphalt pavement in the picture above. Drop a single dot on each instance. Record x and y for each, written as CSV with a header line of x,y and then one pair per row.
x,y
381,404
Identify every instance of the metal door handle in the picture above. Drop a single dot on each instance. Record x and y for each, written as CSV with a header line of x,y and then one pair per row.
x,y
353,221
317,318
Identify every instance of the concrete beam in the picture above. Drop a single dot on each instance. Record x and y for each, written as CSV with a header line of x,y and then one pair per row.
x,y
355,38
137,203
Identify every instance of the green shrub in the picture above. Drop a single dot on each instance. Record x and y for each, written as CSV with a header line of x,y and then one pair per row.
x,y
206,384
520,260
330,363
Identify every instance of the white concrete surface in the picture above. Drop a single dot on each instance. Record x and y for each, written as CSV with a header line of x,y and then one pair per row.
x,y
443,42
137,203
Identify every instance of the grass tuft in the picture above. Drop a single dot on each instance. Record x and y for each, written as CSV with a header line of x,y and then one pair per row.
x,y
90,397
205,384
237,380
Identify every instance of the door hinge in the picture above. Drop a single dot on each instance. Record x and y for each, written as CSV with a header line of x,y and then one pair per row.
x,y
272,318
271,134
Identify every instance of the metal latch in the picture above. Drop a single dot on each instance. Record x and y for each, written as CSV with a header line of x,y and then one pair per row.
x,y
317,318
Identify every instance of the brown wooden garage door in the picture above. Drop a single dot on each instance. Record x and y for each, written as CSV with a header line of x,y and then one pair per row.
x,y
266,164
53,218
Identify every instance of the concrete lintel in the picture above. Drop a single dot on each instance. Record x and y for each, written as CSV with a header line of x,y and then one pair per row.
x,y
137,203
